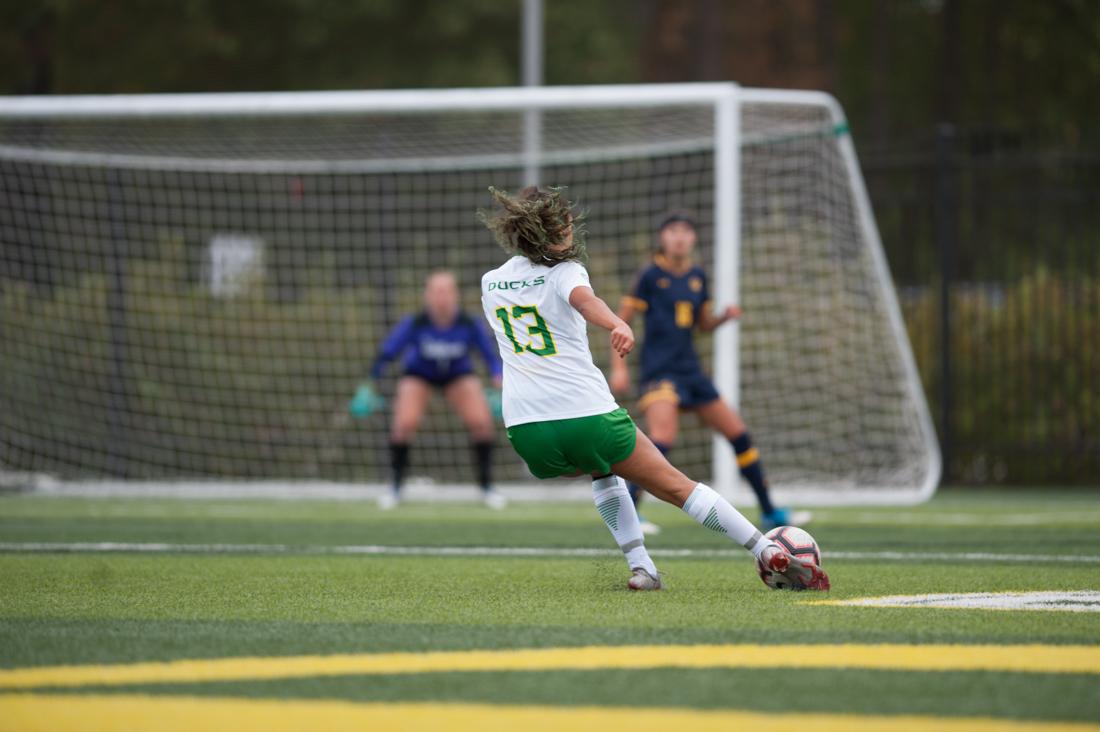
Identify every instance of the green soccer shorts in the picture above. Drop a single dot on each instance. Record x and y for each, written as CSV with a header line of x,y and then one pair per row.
x,y
580,445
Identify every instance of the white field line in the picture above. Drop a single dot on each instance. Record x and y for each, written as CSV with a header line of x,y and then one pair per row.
x,y
109,547
1082,601
948,518
822,498
421,491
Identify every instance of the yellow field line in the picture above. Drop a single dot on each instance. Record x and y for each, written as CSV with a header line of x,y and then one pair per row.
x,y
79,713
1023,658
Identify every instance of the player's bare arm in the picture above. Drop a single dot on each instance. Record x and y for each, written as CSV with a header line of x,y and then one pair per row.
x,y
709,320
620,374
596,311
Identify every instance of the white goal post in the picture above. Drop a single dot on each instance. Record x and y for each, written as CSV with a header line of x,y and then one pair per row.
x,y
192,284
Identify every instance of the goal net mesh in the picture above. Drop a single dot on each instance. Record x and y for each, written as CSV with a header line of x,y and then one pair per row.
x,y
197,298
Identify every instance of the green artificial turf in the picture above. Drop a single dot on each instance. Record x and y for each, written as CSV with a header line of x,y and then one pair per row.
x,y
72,607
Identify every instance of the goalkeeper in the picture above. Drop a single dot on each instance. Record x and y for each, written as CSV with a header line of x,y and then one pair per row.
x,y
672,293
436,345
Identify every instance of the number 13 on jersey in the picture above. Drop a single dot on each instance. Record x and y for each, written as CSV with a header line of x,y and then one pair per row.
x,y
537,330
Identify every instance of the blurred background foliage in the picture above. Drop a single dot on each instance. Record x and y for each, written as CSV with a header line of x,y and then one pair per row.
x,y
895,65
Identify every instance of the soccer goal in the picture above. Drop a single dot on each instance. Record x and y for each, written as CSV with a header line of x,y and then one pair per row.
x,y
193,285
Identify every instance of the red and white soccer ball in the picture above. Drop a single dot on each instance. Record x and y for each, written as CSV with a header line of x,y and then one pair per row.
x,y
798,543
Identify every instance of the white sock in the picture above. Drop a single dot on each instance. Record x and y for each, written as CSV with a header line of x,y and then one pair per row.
x,y
714,512
617,510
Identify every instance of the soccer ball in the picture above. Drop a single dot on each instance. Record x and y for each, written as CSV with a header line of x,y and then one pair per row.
x,y
795,542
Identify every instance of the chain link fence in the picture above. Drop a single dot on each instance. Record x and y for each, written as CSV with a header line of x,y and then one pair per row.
x,y
994,242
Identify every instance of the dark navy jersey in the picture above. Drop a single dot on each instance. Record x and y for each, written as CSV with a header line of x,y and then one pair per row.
x,y
437,354
671,304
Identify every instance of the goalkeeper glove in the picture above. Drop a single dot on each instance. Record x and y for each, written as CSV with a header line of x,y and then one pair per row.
x,y
495,401
365,402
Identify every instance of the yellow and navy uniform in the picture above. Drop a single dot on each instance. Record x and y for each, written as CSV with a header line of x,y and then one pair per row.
x,y
671,303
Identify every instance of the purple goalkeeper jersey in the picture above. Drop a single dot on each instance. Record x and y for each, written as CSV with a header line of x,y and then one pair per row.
x,y
438,355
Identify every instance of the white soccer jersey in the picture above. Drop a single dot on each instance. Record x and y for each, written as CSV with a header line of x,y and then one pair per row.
x,y
543,341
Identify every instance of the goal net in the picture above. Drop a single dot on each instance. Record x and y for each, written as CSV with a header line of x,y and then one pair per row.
x,y
191,286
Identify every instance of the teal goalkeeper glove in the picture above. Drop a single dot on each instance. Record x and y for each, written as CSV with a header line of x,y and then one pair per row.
x,y
496,402
365,402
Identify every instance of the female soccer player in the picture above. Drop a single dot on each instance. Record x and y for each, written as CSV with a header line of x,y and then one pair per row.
x,y
673,295
559,413
436,344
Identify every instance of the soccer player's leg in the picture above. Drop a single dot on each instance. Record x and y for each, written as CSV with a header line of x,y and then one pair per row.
x,y
467,399
649,468
723,419
590,445
593,444
659,403
613,503
572,447
409,404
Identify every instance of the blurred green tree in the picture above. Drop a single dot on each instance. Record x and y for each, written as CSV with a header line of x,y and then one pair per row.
x,y
896,65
